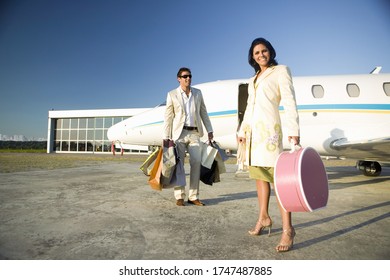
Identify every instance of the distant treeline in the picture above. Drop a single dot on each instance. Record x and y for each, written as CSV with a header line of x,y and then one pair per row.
x,y
23,145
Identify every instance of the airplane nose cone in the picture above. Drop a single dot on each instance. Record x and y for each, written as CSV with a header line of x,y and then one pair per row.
x,y
113,133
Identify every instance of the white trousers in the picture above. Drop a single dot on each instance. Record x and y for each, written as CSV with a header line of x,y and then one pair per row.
x,y
189,141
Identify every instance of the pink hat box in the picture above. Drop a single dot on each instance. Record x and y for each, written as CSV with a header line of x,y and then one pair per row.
x,y
301,183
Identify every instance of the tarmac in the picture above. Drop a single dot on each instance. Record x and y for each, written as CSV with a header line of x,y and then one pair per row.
x,y
109,212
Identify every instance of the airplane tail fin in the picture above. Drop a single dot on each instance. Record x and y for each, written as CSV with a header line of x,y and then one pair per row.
x,y
376,70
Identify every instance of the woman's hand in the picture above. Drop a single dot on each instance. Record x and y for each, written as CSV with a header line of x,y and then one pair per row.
x,y
241,140
296,139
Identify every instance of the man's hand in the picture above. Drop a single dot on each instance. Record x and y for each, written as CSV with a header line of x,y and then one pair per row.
x,y
211,136
167,143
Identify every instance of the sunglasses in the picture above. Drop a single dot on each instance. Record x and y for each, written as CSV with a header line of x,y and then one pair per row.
x,y
186,76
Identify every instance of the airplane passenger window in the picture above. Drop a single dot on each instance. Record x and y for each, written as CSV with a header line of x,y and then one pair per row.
x,y
386,88
317,91
353,90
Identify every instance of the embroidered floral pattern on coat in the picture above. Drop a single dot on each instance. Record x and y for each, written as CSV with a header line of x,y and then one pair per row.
x,y
270,137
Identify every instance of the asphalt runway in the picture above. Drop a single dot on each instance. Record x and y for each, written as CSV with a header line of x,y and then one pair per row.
x,y
108,211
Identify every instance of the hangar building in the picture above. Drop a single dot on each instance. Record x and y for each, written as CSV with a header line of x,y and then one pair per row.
x,y
84,131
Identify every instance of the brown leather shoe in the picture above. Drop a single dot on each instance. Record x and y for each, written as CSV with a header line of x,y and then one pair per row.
x,y
196,202
180,202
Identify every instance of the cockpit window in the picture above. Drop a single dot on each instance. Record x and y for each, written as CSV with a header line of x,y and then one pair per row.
x,y
162,104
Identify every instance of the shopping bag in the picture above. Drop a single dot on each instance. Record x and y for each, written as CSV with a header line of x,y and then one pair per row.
x,y
155,173
216,174
220,163
168,159
221,151
209,175
241,157
178,178
208,154
147,166
241,153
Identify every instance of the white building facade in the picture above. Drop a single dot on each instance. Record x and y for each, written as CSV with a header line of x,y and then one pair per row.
x,y
84,131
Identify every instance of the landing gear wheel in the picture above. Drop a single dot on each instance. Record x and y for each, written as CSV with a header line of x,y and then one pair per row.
x,y
369,168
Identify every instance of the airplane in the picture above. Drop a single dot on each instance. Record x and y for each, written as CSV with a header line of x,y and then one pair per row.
x,y
343,116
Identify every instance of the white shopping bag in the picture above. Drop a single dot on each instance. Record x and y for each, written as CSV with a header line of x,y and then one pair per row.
x,y
208,154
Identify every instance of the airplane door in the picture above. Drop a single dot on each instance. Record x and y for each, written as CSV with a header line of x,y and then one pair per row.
x,y
242,101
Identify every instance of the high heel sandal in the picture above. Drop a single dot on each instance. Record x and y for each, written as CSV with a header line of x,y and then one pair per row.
x,y
260,225
284,247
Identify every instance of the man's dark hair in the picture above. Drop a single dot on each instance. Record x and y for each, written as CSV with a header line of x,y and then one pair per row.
x,y
183,69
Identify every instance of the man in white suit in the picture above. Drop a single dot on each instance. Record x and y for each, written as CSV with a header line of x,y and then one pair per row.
x,y
185,112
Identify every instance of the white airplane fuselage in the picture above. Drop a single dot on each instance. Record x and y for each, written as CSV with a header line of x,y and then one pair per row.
x,y
333,123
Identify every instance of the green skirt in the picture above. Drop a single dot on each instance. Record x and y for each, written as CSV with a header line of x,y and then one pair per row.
x,y
262,173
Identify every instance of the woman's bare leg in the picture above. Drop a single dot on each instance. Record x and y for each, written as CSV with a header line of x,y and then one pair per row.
x,y
263,195
287,239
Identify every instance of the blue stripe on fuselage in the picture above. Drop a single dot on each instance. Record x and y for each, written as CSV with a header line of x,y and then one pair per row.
x,y
385,108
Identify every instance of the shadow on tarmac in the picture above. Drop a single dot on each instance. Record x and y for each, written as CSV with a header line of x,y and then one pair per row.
x,y
340,232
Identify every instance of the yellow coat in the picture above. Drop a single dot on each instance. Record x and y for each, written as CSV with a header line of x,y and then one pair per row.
x,y
261,125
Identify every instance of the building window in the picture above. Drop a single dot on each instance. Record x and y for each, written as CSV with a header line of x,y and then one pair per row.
x,y
99,123
83,134
58,123
73,146
64,146
386,88
107,122
81,146
90,135
99,134
353,90
91,123
65,134
116,120
89,146
65,123
74,123
317,91
83,123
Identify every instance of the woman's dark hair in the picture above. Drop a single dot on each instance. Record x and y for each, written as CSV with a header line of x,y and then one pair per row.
x,y
268,45
183,69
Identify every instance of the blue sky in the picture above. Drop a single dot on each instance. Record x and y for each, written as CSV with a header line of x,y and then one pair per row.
x,y
100,54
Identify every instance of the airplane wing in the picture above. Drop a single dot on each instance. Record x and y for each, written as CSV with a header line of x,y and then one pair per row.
x,y
372,149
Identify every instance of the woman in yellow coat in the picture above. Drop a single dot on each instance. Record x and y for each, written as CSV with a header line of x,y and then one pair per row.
x,y
261,130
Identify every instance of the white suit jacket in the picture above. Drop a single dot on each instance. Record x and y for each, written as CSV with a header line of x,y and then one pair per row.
x,y
175,114
262,126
